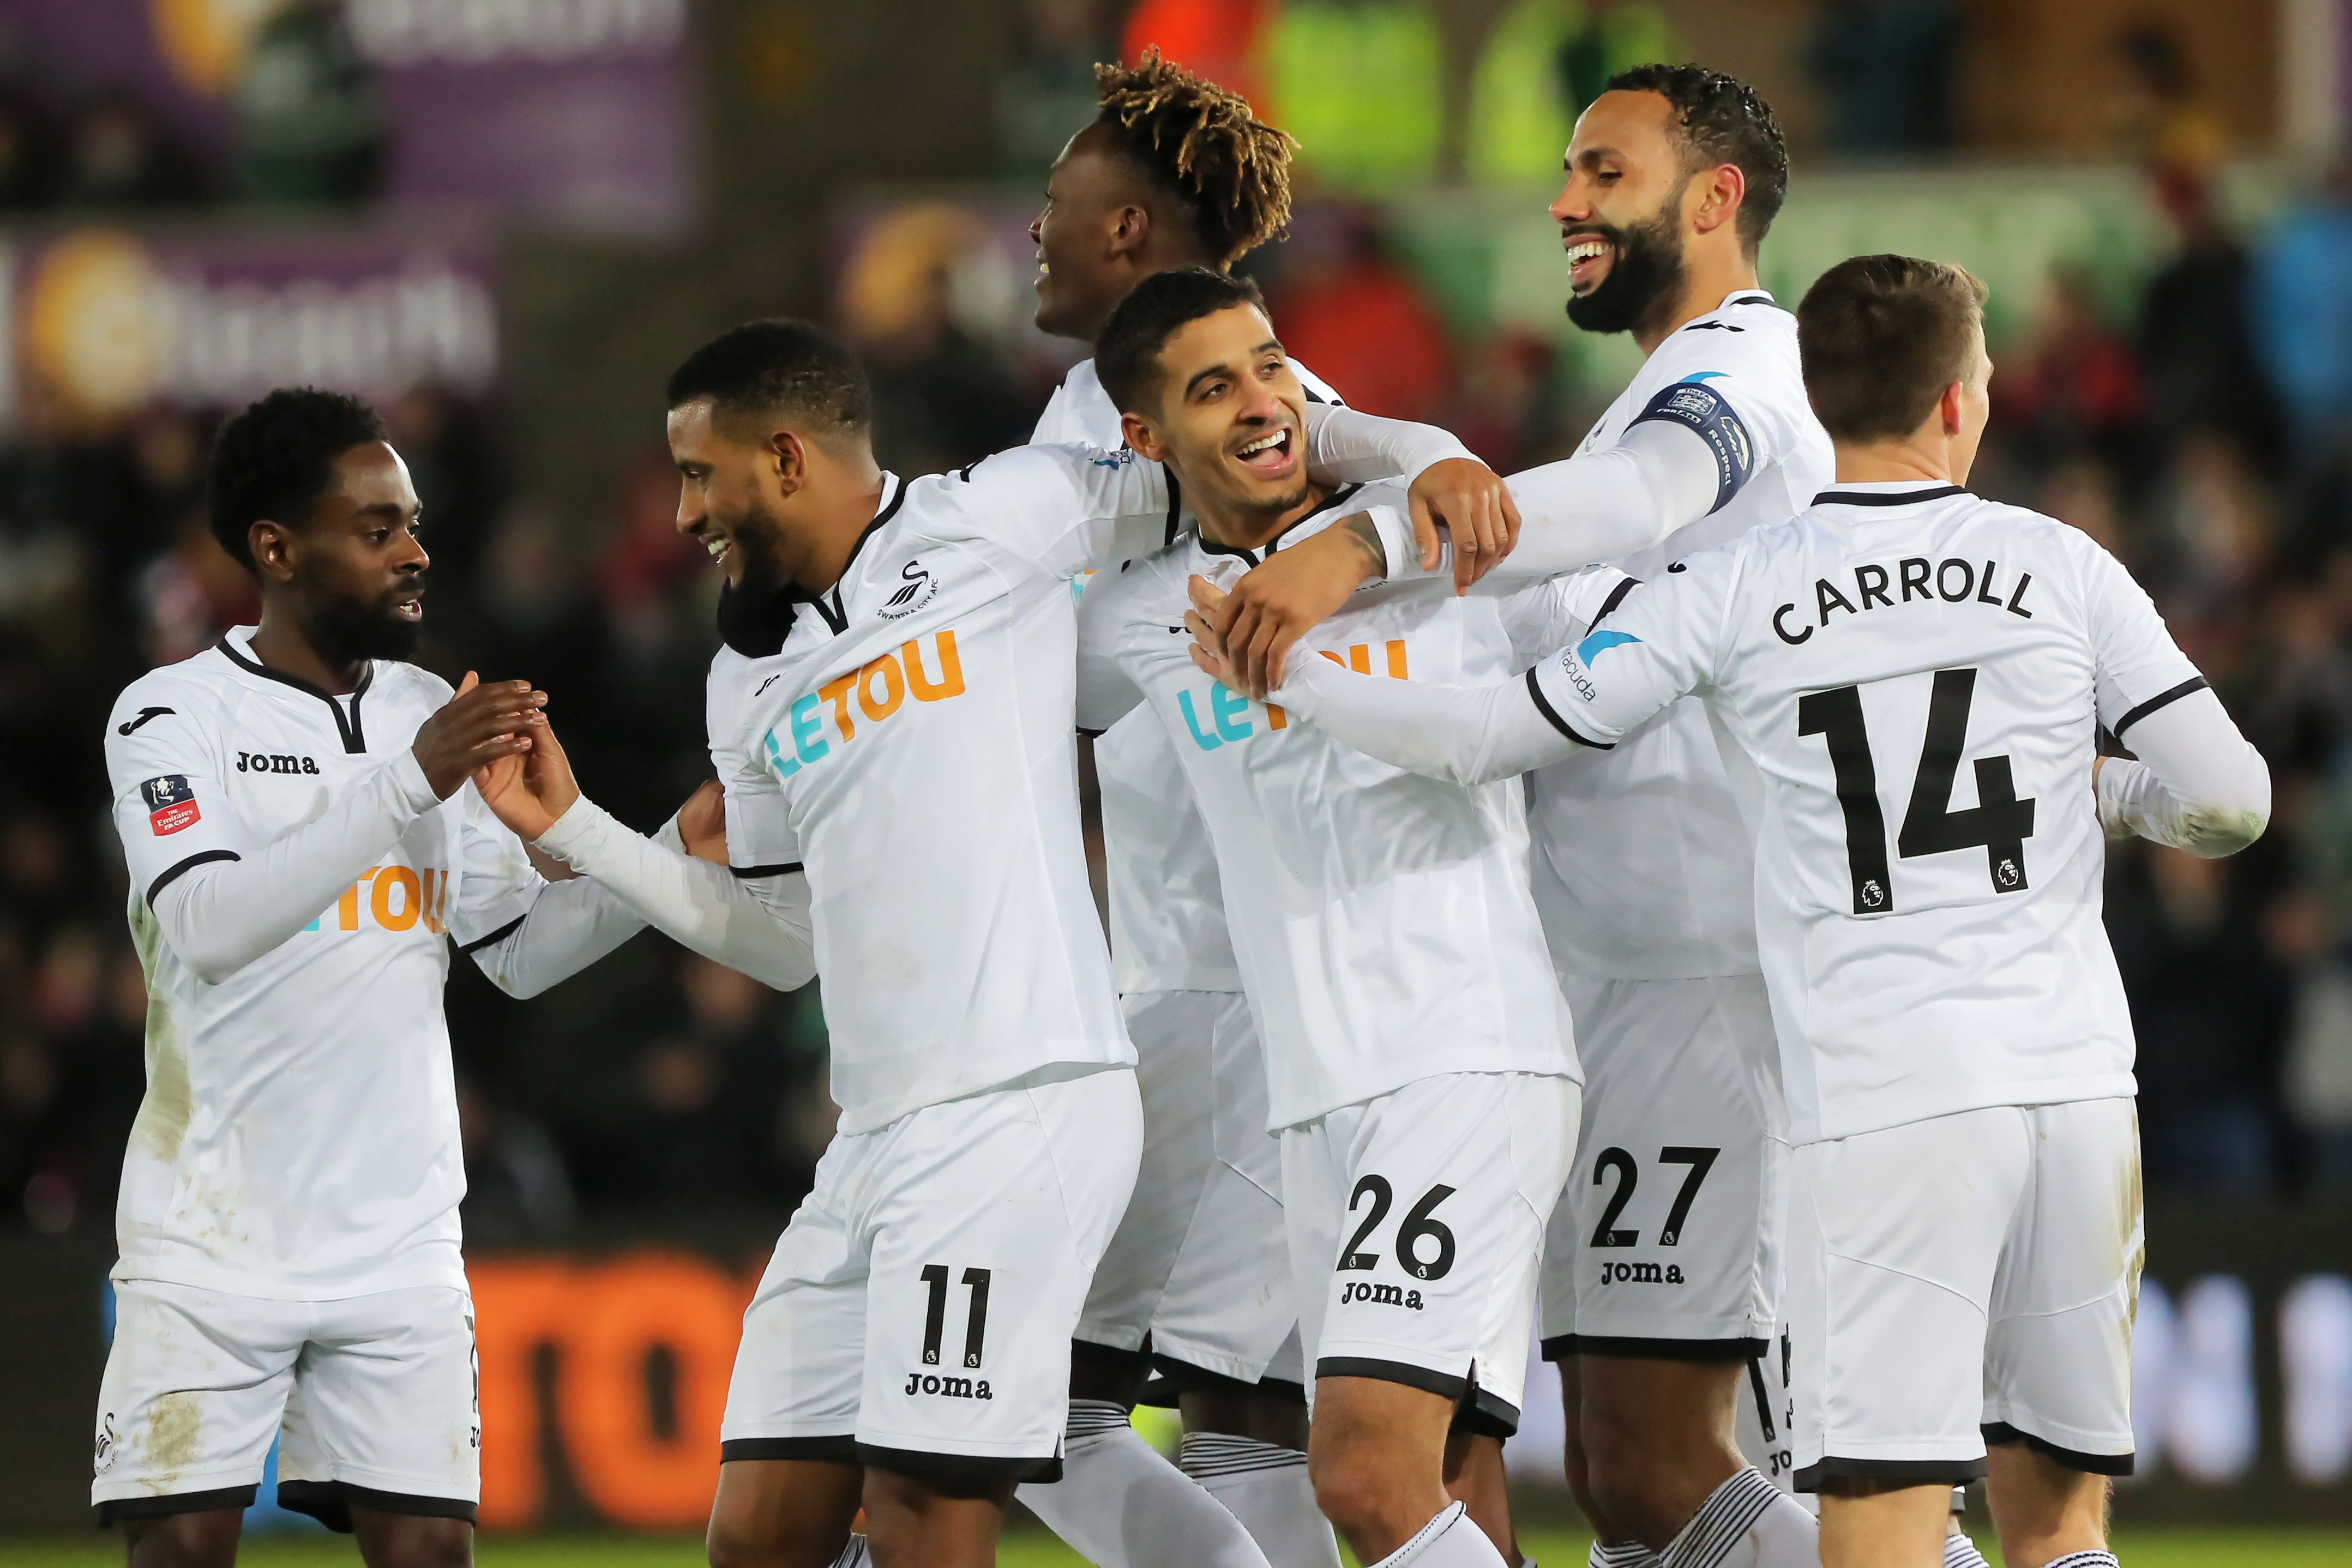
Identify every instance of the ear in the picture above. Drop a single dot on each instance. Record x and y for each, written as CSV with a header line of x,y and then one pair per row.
x,y
1948,410
271,547
790,457
1141,436
1721,192
1130,229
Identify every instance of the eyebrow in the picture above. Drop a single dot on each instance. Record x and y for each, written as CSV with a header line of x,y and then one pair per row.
x,y
1221,369
1590,155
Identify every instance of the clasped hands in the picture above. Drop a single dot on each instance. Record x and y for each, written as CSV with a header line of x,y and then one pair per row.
x,y
1242,636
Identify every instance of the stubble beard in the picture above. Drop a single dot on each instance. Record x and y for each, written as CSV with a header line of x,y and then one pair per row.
x,y
348,630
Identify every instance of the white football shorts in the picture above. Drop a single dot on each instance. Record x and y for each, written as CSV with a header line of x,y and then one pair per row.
x,y
373,1396
1198,1262
1416,1223
1667,1242
1973,1277
917,1312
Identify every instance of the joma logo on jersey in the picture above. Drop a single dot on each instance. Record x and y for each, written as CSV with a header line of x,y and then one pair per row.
x,y
273,762
395,899
1641,1274
1380,1295
1228,710
879,688
948,1387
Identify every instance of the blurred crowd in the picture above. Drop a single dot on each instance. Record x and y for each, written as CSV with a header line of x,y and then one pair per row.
x,y
2198,422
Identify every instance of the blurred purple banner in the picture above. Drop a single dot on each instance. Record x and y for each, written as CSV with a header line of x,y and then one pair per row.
x,y
566,113
107,321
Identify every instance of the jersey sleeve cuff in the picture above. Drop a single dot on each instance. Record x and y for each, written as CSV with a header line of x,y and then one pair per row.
x,y
1550,709
1399,545
575,834
416,791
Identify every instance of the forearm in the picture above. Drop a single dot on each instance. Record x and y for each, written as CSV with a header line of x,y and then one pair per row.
x,y
222,914
571,924
1603,505
2198,786
1469,734
745,923
1347,447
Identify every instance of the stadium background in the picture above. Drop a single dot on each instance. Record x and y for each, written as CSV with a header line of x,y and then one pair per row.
x,y
506,219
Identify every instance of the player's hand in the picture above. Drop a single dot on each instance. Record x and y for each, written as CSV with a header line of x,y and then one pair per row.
x,y
1476,508
481,725
529,796
1287,595
702,822
1208,649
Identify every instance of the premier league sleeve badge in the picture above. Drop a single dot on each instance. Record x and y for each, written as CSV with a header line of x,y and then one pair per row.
x,y
170,804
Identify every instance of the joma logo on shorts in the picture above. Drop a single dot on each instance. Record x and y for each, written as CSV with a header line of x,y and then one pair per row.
x,y
948,1387
1380,1295
1641,1274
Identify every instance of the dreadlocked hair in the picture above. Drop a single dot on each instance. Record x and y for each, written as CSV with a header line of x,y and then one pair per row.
x,y
1231,170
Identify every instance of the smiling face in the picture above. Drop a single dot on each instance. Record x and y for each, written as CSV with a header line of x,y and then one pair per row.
x,y
354,569
724,496
1620,213
1082,267
1229,419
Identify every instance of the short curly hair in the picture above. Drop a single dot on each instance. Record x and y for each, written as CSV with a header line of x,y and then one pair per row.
x,y
779,365
1723,120
272,462
1206,145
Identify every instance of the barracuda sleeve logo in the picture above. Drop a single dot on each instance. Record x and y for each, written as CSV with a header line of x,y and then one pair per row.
x,y
1600,643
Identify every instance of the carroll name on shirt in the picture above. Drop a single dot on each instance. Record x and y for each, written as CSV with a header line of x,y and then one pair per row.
x,y
879,688
1876,586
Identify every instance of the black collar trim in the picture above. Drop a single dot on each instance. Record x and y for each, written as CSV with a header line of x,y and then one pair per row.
x,y
761,635
1751,297
1337,497
1886,498
1175,507
354,739
828,603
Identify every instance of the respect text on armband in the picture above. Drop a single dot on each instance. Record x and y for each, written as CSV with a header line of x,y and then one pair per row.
x,y
927,669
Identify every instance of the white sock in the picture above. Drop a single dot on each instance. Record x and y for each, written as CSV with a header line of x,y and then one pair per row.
x,y
1959,1552
2086,1560
1746,1522
1265,1487
1119,1505
1449,1541
1623,1554
855,1554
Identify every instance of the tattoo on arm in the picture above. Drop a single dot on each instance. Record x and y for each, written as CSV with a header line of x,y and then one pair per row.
x,y
1366,537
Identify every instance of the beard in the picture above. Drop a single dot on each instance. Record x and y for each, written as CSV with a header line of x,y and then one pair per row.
x,y
346,630
754,614
1646,270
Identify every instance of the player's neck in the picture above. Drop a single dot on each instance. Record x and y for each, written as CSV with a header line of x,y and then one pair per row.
x,y
280,645
1907,461
823,533
1711,275
1242,528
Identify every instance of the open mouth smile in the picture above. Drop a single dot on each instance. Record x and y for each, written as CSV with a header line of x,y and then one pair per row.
x,y
1589,257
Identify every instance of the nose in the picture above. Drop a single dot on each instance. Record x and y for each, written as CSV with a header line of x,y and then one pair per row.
x,y
1037,229
1572,205
690,509
415,560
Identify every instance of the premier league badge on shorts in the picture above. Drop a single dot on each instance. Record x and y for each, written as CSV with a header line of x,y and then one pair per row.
x,y
170,804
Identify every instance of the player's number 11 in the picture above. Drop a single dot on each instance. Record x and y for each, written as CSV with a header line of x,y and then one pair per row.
x,y
1999,821
935,1315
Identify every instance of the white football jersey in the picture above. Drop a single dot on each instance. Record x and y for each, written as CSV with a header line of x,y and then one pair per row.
x,y
1916,677
1642,866
1167,916
1384,925
909,742
299,1138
